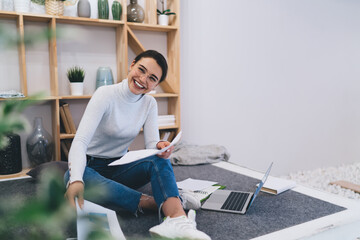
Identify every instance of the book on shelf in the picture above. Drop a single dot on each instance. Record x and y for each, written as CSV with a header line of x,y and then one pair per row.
x,y
64,120
167,135
275,185
69,117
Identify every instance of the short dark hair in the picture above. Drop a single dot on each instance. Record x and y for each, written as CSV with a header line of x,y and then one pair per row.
x,y
158,57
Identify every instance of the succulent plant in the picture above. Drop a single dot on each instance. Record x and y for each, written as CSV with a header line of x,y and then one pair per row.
x,y
76,74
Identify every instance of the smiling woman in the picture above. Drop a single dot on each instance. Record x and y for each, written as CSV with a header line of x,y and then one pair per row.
x,y
113,118
146,72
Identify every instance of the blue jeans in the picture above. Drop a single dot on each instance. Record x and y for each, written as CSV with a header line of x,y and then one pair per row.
x,y
121,181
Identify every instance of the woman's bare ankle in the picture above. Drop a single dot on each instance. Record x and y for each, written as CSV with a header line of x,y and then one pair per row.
x,y
147,202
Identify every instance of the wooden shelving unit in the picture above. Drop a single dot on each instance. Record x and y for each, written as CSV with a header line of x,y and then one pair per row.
x,y
125,38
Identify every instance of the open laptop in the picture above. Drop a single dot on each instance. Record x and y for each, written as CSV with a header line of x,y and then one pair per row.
x,y
233,201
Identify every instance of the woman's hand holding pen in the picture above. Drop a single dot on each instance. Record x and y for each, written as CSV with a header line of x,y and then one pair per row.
x,y
164,144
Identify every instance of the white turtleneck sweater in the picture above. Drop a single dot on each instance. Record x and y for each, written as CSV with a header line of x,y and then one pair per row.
x,y
113,118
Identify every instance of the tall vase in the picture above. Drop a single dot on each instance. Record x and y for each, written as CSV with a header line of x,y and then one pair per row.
x,y
39,145
103,9
10,156
22,5
84,9
8,5
135,13
116,10
104,77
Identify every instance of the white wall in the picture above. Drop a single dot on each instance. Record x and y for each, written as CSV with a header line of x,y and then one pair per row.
x,y
273,80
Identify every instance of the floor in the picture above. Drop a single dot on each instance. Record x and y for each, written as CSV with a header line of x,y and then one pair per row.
x,y
343,225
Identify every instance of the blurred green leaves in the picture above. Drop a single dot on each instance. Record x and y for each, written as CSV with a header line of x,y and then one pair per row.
x,y
45,216
11,118
48,215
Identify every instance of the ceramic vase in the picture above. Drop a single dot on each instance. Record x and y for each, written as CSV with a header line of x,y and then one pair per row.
x,y
77,88
10,156
116,10
104,77
84,8
22,5
36,7
103,9
8,5
135,13
163,20
39,144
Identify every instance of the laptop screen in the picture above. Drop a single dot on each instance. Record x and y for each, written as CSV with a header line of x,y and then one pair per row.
x,y
263,180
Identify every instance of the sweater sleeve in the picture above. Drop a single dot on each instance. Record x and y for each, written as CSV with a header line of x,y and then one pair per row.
x,y
151,128
87,127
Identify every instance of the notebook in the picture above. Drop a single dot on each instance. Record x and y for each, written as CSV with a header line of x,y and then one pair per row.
x,y
233,201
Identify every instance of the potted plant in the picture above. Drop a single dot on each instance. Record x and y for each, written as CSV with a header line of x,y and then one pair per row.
x,y
76,77
163,16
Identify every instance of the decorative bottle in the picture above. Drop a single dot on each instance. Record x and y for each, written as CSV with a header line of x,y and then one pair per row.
x,y
10,156
116,10
104,77
84,9
135,13
103,9
39,145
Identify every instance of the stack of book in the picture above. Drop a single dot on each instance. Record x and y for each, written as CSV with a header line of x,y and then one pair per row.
x,y
167,135
166,120
67,122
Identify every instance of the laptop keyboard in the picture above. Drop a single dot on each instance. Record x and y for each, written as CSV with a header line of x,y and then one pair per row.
x,y
235,201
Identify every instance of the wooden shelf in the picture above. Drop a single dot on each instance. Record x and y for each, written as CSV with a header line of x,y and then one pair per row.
x,y
16,175
164,95
66,136
125,38
75,97
151,27
169,127
62,19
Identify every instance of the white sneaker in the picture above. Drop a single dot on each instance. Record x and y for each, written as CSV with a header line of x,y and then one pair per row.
x,y
189,200
179,227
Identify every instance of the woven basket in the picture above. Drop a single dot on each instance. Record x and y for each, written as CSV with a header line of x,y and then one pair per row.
x,y
54,7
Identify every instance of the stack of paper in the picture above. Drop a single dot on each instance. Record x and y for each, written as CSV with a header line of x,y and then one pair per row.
x,y
201,188
144,153
166,120
86,218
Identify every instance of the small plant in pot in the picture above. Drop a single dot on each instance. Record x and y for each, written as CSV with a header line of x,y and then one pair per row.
x,y
163,16
76,77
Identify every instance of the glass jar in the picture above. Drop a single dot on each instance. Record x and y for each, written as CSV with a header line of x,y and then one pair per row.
x,y
104,77
135,13
39,144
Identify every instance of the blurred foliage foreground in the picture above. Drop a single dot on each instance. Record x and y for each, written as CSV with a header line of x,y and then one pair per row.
x,y
45,214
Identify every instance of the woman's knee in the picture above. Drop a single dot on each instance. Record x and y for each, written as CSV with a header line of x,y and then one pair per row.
x,y
162,163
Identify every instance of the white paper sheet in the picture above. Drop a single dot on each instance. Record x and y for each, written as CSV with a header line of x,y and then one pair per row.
x,y
84,223
194,184
140,154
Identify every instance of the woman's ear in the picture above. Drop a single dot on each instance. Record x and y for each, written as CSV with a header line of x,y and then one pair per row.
x,y
132,64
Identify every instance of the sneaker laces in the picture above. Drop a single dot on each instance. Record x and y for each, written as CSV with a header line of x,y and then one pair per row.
x,y
182,222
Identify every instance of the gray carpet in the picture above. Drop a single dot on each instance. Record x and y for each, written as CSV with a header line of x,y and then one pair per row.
x,y
269,213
